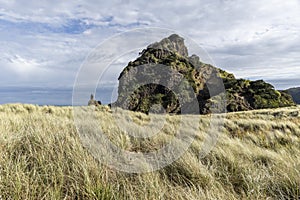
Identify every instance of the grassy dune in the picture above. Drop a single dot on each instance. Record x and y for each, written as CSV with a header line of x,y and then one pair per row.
x,y
41,157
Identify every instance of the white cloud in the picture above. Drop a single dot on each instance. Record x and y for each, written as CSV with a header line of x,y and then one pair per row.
x,y
22,66
252,39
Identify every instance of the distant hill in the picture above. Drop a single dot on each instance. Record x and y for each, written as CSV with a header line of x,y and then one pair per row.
x,y
171,52
295,93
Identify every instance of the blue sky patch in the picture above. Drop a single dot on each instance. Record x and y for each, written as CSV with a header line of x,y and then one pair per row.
x,y
72,26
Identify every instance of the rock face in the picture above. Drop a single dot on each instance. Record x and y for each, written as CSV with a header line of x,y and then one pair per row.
x,y
295,93
164,74
173,43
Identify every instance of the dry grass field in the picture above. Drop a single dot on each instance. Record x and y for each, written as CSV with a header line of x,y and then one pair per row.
x,y
257,156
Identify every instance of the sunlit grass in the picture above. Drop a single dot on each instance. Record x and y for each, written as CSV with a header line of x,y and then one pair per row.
x,y
41,156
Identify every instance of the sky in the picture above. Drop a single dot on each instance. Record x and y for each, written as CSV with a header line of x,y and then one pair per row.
x,y
44,43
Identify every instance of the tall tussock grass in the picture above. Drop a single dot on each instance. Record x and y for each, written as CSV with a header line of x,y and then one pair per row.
x,y
257,156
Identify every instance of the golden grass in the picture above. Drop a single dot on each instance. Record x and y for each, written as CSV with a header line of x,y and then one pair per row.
x,y
42,157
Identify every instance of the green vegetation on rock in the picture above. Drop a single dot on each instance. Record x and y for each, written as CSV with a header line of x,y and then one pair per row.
x,y
171,53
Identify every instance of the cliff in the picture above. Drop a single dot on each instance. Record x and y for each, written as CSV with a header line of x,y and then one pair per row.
x,y
160,59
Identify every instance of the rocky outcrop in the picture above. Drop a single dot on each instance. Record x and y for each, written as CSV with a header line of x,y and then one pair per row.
x,y
255,94
93,102
173,43
164,70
